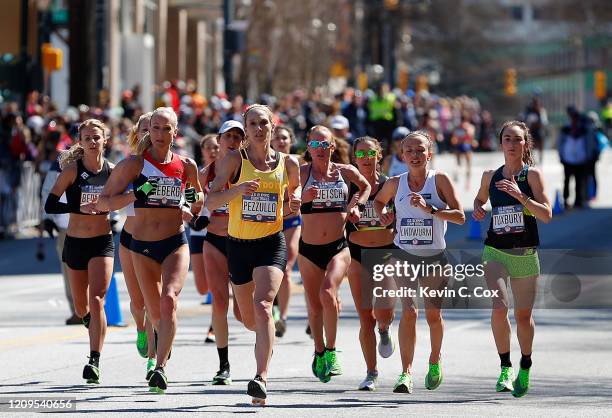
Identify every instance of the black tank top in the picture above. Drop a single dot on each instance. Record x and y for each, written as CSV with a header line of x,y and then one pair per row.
x,y
512,225
369,219
87,186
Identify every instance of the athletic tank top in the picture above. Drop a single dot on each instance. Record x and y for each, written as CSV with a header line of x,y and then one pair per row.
x,y
170,182
87,186
397,166
512,225
369,218
223,210
333,195
419,232
260,214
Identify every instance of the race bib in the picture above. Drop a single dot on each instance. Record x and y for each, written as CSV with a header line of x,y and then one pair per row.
x,y
222,210
168,192
508,219
414,231
90,193
259,207
369,218
331,195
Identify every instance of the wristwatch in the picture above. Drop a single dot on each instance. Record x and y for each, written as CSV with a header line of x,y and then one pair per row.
x,y
433,209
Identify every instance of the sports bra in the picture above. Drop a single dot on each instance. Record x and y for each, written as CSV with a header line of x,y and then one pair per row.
x,y
333,195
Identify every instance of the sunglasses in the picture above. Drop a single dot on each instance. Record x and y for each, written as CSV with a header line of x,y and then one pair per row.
x,y
317,144
363,154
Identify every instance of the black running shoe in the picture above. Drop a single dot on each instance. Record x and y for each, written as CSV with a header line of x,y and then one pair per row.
x,y
281,327
91,374
158,382
257,389
86,320
222,378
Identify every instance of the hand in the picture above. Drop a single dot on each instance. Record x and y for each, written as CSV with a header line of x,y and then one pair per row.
x,y
510,187
50,226
147,188
198,223
191,195
310,194
186,214
386,218
295,202
89,208
354,214
418,201
248,187
479,213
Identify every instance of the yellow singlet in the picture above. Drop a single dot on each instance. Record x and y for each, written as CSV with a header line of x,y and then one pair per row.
x,y
261,214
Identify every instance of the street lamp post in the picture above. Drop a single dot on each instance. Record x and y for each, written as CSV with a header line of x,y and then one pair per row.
x,y
228,16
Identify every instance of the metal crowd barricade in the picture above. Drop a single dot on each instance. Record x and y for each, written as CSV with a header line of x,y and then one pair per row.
x,y
19,207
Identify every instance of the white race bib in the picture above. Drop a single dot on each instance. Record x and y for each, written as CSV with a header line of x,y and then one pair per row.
x,y
415,231
369,218
168,192
331,195
508,219
260,207
90,193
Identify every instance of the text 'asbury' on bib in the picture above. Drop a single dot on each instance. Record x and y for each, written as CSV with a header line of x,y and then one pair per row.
x,y
331,195
260,207
508,219
168,192
416,231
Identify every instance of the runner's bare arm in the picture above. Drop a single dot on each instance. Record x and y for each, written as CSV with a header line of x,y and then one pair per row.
x,y
454,213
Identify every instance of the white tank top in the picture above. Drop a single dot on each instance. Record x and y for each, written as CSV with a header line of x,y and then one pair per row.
x,y
203,212
397,167
417,232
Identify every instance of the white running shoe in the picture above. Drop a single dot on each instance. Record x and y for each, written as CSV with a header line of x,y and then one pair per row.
x,y
386,345
369,383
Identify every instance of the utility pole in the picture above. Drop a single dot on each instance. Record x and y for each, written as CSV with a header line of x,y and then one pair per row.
x,y
23,62
228,51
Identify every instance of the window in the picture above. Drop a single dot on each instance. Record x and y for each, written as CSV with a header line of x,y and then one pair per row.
x,y
516,12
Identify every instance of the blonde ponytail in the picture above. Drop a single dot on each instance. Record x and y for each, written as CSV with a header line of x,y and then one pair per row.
x,y
144,144
132,138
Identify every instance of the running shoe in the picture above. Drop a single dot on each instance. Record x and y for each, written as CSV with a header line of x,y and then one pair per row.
x,y
74,320
158,382
404,384
369,383
332,360
434,376
257,390
210,336
281,327
321,368
521,384
506,377
141,343
86,320
386,345
275,313
222,378
150,368
91,374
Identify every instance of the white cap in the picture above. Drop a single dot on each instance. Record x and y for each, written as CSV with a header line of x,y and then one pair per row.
x,y
400,133
339,122
230,124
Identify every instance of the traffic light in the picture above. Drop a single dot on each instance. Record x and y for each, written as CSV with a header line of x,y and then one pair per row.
x,y
51,58
510,82
421,83
601,90
391,4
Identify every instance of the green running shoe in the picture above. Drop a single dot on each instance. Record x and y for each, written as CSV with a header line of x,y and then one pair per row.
x,y
332,360
275,313
222,378
141,343
321,368
404,384
434,376
521,384
506,377
158,382
150,367
91,374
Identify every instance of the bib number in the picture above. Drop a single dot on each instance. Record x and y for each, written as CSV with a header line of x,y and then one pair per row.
x,y
369,218
415,231
508,219
331,195
260,207
90,194
168,192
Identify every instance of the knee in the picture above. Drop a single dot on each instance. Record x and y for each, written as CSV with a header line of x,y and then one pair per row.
x,y
410,315
167,305
96,303
263,310
499,311
523,317
220,299
327,297
434,317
